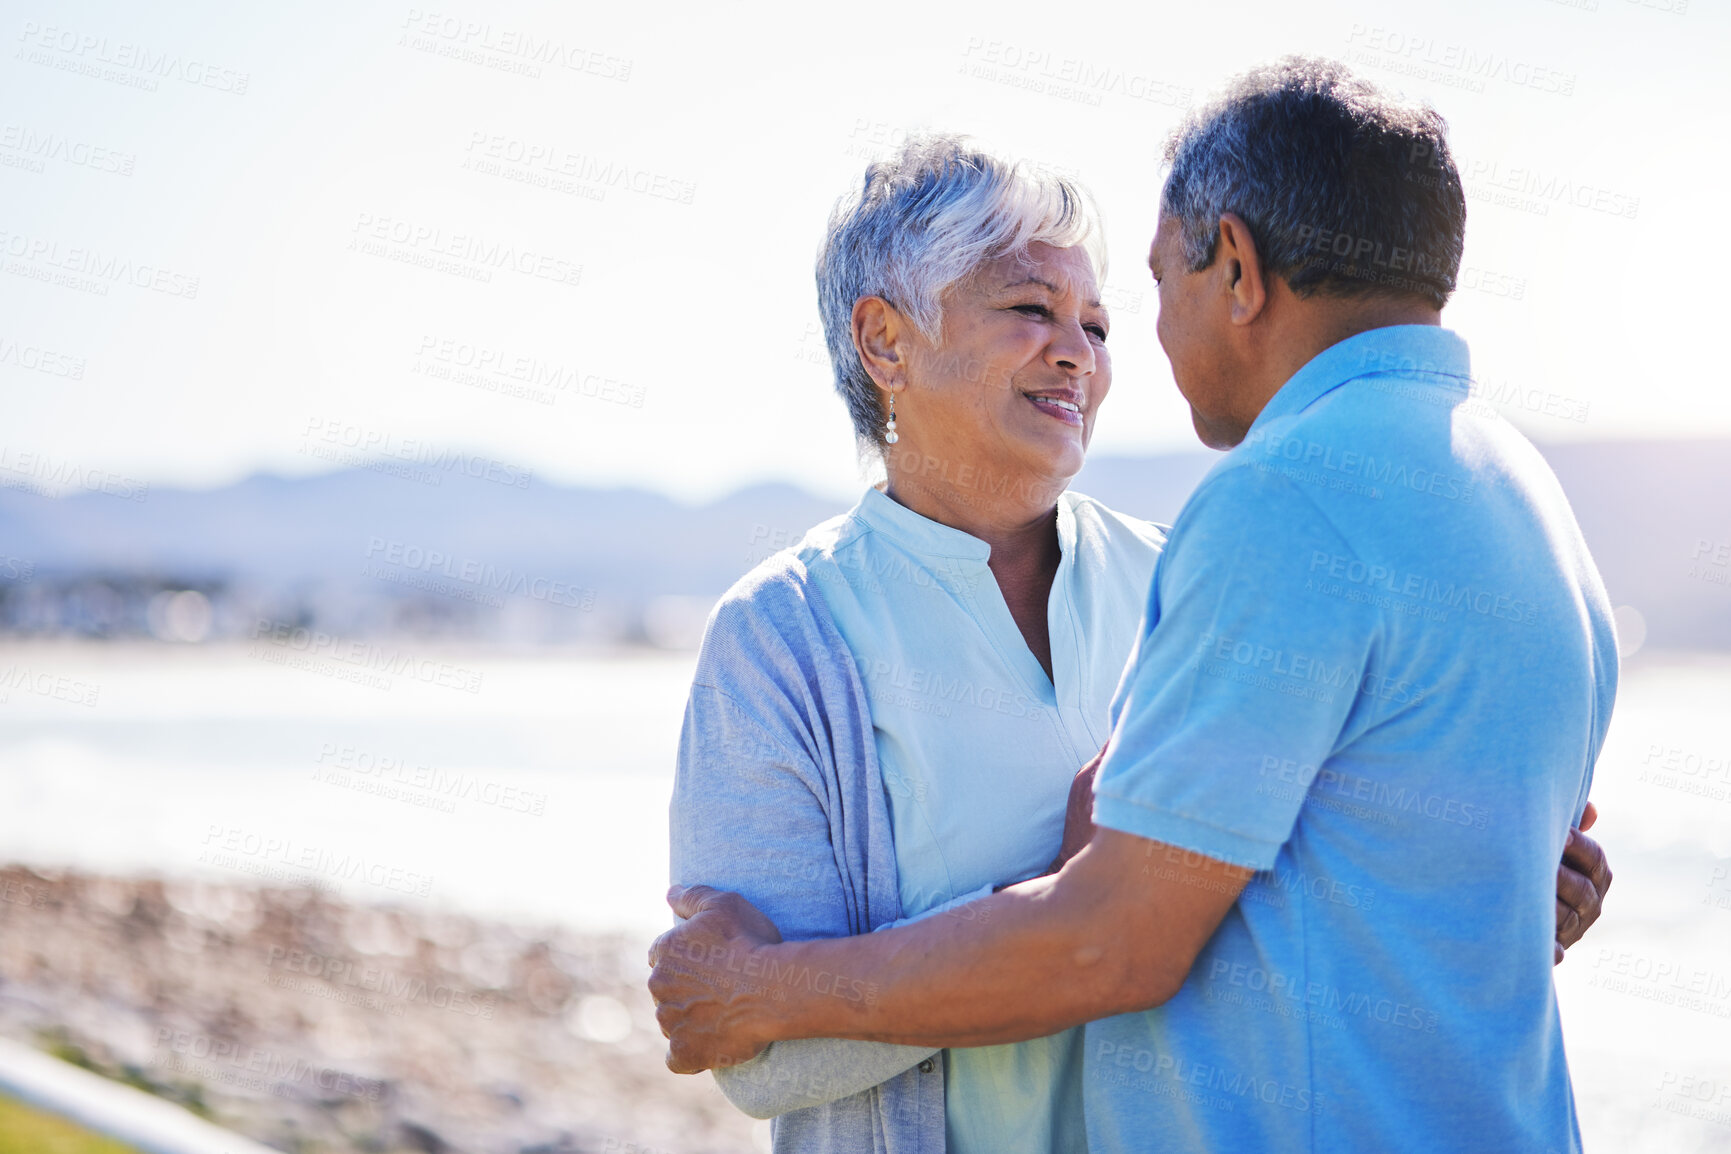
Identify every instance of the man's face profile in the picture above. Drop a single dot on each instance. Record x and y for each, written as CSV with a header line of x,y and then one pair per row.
x,y
1190,336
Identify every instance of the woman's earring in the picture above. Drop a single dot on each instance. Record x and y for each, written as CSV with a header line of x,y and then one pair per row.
x,y
890,437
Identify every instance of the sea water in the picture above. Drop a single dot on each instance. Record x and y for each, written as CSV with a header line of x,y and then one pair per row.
x,y
535,789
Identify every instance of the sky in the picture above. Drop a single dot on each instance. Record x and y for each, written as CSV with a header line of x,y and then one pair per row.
x,y
577,240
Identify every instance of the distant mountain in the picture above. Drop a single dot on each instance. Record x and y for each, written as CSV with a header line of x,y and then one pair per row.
x,y
368,552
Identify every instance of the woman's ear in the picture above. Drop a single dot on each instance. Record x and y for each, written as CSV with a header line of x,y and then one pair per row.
x,y
878,333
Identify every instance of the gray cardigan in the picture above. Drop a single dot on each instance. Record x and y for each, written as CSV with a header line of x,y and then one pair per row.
x,y
777,796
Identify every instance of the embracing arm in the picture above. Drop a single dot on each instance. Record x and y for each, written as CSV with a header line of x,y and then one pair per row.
x,y
745,816
797,1073
1582,880
1115,930
1122,923
804,1072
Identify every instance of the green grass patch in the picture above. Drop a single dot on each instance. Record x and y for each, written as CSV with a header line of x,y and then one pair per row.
x,y
24,1130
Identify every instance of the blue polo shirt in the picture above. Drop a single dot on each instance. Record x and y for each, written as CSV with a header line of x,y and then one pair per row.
x,y
1377,665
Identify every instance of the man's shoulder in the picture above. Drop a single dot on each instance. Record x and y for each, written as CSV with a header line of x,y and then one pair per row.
x,y
1253,485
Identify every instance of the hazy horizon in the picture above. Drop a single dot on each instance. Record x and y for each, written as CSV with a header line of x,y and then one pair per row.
x,y
584,249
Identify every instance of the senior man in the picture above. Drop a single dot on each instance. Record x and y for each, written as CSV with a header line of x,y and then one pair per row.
x,y
1329,926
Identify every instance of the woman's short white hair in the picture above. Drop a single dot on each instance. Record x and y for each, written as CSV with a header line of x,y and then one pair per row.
x,y
922,220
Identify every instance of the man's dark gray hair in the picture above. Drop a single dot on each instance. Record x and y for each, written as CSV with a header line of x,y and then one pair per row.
x,y
1347,191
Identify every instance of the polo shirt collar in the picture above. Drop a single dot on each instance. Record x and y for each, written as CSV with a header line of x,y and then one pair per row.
x,y
1432,351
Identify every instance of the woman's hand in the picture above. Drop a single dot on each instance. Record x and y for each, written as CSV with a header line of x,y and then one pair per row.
x,y
1582,880
1079,814
704,978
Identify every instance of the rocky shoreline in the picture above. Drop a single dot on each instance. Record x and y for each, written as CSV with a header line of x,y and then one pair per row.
x,y
318,1026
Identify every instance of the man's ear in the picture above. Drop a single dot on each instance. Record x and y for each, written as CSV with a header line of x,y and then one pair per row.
x,y
879,330
1241,272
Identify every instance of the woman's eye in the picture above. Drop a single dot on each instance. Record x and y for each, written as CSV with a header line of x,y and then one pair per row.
x,y
1033,310
1098,331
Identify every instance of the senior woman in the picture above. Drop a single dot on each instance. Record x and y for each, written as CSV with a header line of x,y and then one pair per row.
x,y
886,720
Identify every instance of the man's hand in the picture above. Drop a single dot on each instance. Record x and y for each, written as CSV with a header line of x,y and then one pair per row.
x,y
1079,815
702,982
1582,880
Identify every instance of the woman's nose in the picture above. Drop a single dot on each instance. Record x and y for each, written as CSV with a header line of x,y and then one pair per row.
x,y
1071,350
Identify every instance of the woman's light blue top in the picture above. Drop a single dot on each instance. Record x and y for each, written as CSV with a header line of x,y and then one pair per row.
x,y
977,747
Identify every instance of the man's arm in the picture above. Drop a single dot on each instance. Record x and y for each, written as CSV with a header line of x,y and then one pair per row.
x,y
1116,930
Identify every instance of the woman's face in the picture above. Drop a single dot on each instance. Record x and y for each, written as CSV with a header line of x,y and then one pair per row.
x,y
1008,396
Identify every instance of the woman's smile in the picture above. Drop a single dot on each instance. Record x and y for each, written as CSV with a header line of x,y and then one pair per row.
x,y
1061,405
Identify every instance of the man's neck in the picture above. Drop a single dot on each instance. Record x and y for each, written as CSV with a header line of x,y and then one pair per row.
x,y
1315,325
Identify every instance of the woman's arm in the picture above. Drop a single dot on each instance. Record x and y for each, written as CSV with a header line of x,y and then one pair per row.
x,y
746,816
1582,880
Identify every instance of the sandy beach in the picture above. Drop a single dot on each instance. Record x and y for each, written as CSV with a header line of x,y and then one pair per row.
x,y
312,1024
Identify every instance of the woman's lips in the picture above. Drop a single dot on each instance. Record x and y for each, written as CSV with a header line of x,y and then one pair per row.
x,y
1059,408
